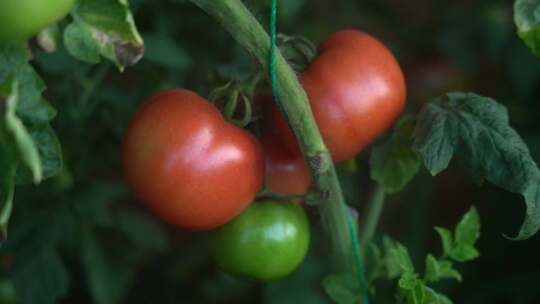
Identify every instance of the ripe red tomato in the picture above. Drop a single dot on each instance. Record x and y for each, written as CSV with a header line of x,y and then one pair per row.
x,y
266,242
190,166
286,171
356,90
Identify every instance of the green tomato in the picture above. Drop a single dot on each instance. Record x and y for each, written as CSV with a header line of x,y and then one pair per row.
x,y
266,242
21,19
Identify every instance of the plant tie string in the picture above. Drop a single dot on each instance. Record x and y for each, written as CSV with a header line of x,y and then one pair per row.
x,y
357,257
355,245
272,59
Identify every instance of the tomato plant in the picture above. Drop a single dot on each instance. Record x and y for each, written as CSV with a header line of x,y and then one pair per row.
x,y
356,90
188,164
20,19
82,221
266,242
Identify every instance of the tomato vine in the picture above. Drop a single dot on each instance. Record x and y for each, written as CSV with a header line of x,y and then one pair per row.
x,y
241,24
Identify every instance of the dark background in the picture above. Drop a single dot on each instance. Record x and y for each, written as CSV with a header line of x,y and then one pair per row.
x,y
442,46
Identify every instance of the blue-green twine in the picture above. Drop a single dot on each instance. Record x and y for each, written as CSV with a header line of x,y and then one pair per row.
x,y
272,59
357,256
275,92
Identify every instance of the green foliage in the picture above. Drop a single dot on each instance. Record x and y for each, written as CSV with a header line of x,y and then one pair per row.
x,y
395,163
48,149
8,164
77,237
394,261
83,228
81,224
26,117
343,288
31,107
460,245
42,278
14,127
26,139
104,28
39,274
437,270
527,20
476,129
165,51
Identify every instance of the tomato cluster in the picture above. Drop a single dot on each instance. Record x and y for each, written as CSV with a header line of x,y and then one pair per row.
x,y
198,171
356,90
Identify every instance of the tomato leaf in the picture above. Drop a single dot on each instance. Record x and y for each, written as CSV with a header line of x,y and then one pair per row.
x,y
7,292
226,288
141,230
26,148
410,289
466,234
94,203
447,239
49,38
413,290
7,183
468,229
49,149
461,245
405,261
395,163
301,286
38,148
31,107
392,260
81,43
437,270
25,119
42,280
343,288
163,50
108,273
433,297
109,269
476,129
527,19
105,233
104,28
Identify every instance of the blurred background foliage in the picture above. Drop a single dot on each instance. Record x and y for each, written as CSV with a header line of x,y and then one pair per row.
x,y
82,238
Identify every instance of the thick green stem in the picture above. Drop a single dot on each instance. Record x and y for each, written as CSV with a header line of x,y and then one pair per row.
x,y
247,31
375,207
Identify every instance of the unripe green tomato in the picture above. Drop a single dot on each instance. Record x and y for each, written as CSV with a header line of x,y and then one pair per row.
x,y
266,242
21,19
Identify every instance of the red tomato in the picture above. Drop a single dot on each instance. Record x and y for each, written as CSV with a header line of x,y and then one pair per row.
x,y
286,171
190,166
356,90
